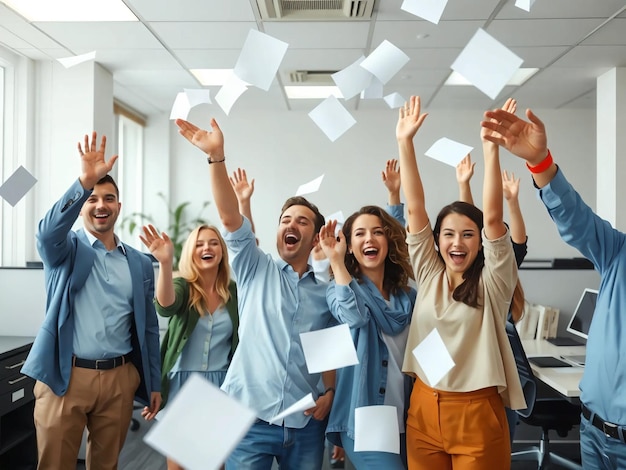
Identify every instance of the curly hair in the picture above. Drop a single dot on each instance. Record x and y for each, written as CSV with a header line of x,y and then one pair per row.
x,y
189,271
397,266
467,292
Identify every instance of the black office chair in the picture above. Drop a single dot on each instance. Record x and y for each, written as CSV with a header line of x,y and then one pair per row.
x,y
552,413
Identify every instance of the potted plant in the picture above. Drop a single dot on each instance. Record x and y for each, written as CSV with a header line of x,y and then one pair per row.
x,y
179,226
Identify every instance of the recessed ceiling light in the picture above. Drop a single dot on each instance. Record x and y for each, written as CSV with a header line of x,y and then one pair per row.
x,y
212,77
72,10
312,92
518,78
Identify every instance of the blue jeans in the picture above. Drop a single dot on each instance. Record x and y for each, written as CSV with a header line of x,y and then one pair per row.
x,y
598,451
294,449
371,460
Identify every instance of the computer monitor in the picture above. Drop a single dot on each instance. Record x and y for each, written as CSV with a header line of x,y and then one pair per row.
x,y
583,313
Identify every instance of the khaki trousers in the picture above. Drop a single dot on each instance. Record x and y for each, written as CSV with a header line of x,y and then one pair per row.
x,y
457,430
102,400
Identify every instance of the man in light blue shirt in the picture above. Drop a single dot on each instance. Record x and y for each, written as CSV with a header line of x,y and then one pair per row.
x,y
603,385
278,300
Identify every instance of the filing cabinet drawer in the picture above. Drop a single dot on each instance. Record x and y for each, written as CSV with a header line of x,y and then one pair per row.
x,y
21,392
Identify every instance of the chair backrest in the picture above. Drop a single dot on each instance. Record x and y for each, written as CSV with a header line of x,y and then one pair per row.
x,y
527,378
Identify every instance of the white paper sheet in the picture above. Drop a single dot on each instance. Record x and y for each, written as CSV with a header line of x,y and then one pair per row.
x,y
202,426
259,59
376,429
524,4
310,187
17,185
301,405
328,349
181,107
197,96
433,357
332,118
68,62
353,79
230,92
385,61
430,10
487,64
448,151
374,91
395,100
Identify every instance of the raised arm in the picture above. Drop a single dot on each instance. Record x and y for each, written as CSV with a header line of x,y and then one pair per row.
x,y
93,164
391,179
212,143
510,188
464,173
525,139
162,249
335,250
493,213
243,190
410,120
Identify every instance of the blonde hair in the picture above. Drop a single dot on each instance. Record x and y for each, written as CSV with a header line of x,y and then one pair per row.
x,y
517,304
188,270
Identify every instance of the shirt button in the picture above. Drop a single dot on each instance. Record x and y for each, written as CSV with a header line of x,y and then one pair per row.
x,y
385,363
381,390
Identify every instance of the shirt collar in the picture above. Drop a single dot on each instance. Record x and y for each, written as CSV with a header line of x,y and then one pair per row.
x,y
118,242
283,265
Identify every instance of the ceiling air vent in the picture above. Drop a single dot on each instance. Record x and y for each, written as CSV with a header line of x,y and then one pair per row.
x,y
312,76
307,10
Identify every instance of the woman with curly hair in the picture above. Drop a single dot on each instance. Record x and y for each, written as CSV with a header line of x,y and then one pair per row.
x,y
202,307
370,294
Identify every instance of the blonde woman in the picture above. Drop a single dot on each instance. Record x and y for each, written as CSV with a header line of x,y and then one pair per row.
x,y
201,304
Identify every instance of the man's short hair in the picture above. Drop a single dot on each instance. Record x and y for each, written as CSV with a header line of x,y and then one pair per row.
x,y
109,179
300,201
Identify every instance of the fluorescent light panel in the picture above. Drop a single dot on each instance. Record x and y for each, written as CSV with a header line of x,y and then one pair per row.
x,y
312,92
212,77
72,10
518,78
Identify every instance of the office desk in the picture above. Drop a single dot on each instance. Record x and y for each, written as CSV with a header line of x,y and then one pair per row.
x,y
564,380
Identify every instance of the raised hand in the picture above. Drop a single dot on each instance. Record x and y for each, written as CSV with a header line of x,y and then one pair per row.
x,y
510,186
465,170
211,143
160,245
526,139
334,249
410,119
391,176
510,106
243,189
94,165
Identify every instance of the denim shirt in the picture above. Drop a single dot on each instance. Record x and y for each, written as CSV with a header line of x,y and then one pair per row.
x,y
268,372
361,306
603,385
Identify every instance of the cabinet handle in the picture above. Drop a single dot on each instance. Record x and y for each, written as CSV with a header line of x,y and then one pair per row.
x,y
16,365
11,382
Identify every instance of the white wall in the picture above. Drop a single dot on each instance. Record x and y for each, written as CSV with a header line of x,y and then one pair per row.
x,y
283,150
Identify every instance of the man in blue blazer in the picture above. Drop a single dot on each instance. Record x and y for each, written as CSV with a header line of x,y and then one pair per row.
x,y
98,347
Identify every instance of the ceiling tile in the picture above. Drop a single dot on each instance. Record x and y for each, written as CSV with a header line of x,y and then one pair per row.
x,y
320,35
193,10
203,35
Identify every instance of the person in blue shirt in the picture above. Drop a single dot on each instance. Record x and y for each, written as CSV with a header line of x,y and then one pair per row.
x,y
603,385
278,300
98,347
370,293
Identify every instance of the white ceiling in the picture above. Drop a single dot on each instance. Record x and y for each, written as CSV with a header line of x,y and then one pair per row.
x,y
571,41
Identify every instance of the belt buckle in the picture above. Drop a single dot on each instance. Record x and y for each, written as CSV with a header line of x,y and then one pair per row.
x,y
609,429
99,361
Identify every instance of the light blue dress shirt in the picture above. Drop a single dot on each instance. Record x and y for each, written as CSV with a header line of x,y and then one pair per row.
x,y
603,385
103,307
268,372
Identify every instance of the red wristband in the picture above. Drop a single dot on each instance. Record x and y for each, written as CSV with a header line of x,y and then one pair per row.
x,y
543,165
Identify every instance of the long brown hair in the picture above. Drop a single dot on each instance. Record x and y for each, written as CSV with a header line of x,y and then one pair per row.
x,y
397,265
198,297
467,292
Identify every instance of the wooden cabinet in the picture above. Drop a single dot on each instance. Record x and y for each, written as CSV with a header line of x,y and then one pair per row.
x,y
18,442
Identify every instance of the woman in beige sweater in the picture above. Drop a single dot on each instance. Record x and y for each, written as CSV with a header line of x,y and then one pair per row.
x,y
465,271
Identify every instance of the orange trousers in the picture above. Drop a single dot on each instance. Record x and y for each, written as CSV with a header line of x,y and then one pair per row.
x,y
101,400
457,430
